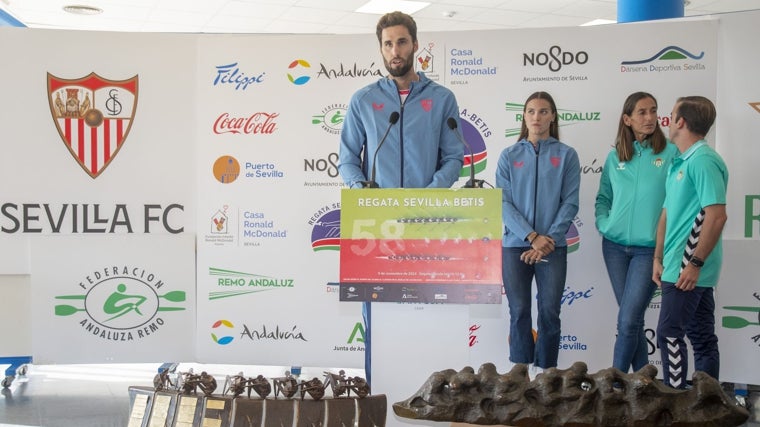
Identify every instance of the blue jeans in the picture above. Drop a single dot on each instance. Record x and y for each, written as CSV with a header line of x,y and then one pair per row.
x,y
550,282
630,271
690,313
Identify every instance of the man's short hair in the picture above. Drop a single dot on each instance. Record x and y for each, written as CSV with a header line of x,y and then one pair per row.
x,y
396,18
698,112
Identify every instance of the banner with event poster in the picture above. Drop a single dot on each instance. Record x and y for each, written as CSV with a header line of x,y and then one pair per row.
x,y
113,300
98,194
233,140
425,245
738,293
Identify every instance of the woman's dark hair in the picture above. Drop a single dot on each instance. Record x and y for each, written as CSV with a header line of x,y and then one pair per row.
x,y
625,136
553,128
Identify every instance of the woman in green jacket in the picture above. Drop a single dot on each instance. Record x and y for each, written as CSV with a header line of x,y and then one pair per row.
x,y
628,204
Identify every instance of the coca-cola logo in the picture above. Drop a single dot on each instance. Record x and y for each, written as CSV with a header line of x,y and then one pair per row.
x,y
256,123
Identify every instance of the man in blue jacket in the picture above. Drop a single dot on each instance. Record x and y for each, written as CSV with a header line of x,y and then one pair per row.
x,y
419,150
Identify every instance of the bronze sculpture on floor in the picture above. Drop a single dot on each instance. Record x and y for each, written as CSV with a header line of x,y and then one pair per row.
x,y
570,397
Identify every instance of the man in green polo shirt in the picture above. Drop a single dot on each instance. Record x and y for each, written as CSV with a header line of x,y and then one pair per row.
x,y
688,252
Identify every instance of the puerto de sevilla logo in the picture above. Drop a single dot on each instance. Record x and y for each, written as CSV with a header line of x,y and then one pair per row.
x,y
237,283
226,169
93,116
121,303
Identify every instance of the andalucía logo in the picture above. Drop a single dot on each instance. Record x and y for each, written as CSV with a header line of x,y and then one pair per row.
x,y
325,234
349,71
564,117
225,339
671,58
93,116
746,317
121,303
237,283
474,131
299,80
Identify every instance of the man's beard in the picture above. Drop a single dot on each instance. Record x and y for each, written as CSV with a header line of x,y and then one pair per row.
x,y
398,72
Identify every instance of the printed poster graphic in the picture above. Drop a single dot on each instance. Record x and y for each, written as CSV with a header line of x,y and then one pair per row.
x,y
93,116
421,245
106,300
120,303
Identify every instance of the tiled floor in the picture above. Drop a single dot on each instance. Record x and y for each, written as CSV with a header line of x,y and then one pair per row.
x,y
97,395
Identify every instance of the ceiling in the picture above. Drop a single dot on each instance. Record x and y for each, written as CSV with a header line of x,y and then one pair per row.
x,y
324,16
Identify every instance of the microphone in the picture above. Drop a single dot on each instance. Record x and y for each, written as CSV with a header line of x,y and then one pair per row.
x,y
391,121
472,183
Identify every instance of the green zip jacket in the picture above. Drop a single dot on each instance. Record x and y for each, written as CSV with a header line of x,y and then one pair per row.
x,y
630,196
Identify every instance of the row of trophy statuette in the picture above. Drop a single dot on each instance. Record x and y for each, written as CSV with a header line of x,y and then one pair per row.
x,y
288,386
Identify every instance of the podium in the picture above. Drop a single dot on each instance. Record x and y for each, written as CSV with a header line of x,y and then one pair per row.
x,y
438,247
425,245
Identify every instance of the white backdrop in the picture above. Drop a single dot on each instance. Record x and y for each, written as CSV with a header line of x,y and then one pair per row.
x,y
238,134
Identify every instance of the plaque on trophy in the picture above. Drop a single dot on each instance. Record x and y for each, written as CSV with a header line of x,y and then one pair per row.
x,y
141,399
164,409
189,411
217,411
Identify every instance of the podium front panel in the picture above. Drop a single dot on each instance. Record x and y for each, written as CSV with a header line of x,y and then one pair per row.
x,y
421,245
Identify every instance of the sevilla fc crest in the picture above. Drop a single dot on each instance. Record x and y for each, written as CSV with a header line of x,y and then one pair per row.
x,y
93,116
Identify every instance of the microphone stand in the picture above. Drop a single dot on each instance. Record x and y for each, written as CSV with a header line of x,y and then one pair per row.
x,y
392,121
472,183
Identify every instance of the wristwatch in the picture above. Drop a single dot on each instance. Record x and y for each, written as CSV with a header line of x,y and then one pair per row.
x,y
696,261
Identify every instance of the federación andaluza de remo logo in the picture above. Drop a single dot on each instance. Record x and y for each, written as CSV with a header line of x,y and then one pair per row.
x,y
121,303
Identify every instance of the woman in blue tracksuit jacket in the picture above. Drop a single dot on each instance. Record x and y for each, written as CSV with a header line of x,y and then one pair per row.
x,y
628,205
540,181
420,150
